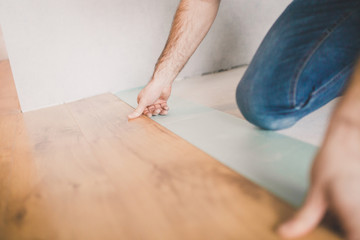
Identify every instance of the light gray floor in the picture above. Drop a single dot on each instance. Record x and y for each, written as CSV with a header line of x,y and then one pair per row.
x,y
218,91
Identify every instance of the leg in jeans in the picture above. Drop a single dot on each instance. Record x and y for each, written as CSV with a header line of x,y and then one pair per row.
x,y
304,62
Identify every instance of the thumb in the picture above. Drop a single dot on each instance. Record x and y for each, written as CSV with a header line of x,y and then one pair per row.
x,y
307,218
138,111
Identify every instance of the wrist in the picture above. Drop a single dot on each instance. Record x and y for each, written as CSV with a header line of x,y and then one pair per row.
x,y
162,78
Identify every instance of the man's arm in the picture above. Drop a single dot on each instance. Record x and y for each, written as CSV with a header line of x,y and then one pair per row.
x,y
336,171
349,109
192,21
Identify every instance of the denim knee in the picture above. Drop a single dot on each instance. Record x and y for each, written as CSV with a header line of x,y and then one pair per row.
x,y
263,114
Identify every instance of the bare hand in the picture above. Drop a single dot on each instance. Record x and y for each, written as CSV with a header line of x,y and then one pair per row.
x,y
335,184
152,100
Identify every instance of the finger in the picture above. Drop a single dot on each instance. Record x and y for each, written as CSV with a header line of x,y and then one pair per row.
x,y
151,108
163,112
138,111
157,109
156,112
146,111
165,106
346,206
307,218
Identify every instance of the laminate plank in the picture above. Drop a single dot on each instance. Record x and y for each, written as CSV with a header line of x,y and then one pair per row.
x,y
20,180
8,128
57,189
9,102
9,120
172,189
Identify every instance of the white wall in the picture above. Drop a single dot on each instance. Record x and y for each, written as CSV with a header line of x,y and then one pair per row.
x,y
65,50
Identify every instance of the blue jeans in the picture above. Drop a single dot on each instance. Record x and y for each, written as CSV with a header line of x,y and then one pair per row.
x,y
304,62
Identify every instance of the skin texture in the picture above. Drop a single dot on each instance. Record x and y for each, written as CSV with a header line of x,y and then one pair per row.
x,y
336,168
192,21
335,173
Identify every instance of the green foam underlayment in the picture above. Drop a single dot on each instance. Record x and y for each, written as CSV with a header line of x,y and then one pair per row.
x,y
278,163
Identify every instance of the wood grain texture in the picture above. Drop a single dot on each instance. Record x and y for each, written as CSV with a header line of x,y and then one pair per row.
x,y
9,102
83,171
9,121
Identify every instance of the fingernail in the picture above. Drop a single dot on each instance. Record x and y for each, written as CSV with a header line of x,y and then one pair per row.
x,y
132,116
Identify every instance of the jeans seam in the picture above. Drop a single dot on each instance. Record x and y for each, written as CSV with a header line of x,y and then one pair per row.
x,y
311,52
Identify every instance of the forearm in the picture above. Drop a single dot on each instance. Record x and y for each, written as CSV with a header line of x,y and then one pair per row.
x,y
344,127
192,21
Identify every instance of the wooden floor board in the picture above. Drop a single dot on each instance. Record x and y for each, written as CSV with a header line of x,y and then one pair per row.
x,y
211,200
9,102
63,191
83,171
9,121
